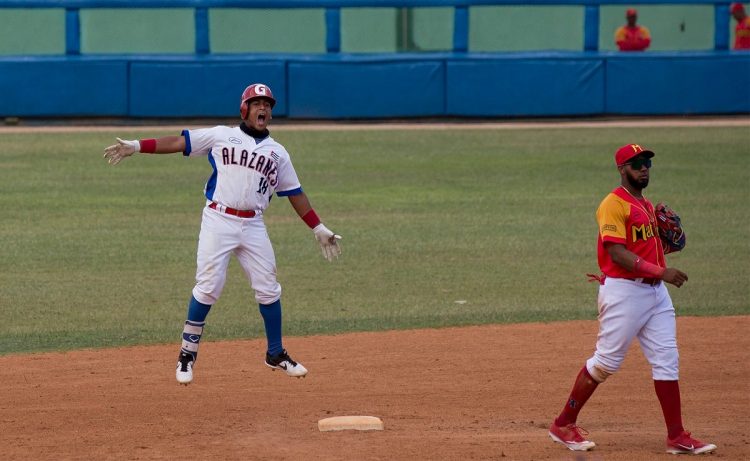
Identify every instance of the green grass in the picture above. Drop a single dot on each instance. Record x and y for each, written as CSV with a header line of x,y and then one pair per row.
x,y
503,221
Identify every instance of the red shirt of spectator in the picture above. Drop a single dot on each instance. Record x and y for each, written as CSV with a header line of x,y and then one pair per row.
x,y
742,30
632,37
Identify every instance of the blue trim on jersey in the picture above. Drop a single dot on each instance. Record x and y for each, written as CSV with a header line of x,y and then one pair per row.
x,y
287,193
188,146
211,183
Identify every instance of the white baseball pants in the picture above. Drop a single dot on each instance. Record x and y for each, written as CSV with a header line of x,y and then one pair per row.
x,y
223,235
630,309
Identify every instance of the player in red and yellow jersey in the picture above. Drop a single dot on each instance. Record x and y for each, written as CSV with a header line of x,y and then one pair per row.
x,y
632,37
742,29
633,303
628,244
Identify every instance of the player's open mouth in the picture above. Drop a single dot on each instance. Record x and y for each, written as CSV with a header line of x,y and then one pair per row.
x,y
261,117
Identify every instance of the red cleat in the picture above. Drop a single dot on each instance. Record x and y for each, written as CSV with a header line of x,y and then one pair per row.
x,y
684,444
571,436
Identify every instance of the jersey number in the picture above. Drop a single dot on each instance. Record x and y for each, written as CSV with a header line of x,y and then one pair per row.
x,y
263,186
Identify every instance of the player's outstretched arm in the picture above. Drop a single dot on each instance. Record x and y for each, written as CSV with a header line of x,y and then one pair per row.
x,y
328,241
125,148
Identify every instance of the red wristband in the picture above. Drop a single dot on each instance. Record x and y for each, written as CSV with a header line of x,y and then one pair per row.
x,y
311,219
148,146
648,268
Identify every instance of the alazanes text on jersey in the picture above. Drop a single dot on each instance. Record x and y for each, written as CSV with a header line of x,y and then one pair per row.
x,y
254,161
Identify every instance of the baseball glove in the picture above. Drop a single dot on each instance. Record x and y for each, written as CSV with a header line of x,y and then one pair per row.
x,y
670,229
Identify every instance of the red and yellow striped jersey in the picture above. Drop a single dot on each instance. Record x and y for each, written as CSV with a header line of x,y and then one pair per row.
x,y
631,222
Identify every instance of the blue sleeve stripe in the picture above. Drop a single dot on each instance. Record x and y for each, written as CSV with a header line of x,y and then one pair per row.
x,y
211,183
287,193
188,147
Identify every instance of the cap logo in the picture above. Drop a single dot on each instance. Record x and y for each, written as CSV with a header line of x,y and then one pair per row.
x,y
636,148
260,90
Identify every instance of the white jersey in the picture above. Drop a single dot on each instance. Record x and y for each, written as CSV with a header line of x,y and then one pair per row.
x,y
245,173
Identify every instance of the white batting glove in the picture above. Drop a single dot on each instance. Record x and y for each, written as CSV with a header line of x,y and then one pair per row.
x,y
328,242
124,148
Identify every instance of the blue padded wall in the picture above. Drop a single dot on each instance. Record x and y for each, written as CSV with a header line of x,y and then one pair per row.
x,y
695,83
387,86
63,87
202,88
525,86
363,89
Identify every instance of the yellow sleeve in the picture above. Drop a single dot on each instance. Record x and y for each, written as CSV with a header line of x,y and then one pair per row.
x,y
645,33
611,216
619,34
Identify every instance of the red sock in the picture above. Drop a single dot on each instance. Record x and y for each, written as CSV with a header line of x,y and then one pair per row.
x,y
582,390
669,398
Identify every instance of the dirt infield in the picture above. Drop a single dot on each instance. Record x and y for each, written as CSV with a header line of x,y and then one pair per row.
x,y
471,393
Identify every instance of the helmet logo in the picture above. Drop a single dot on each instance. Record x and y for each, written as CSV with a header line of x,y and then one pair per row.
x,y
256,90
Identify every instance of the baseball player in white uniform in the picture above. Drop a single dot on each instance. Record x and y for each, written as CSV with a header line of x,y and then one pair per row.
x,y
633,303
249,166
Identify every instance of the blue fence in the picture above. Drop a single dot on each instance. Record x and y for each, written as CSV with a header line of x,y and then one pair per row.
x,y
333,85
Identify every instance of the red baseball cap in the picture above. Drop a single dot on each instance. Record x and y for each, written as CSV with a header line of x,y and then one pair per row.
x,y
628,151
631,12
736,7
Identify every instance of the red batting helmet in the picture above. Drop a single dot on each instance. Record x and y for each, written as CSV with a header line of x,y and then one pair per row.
x,y
254,91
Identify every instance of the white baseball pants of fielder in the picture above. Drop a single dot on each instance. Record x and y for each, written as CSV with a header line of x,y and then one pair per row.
x,y
223,235
628,310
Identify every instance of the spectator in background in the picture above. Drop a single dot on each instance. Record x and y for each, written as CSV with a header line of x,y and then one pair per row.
x,y
632,37
742,30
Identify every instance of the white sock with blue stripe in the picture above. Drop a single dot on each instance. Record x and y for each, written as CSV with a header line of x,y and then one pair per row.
x,y
193,330
191,337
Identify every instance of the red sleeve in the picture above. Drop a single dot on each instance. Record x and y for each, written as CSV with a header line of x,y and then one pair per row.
x,y
641,43
643,39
